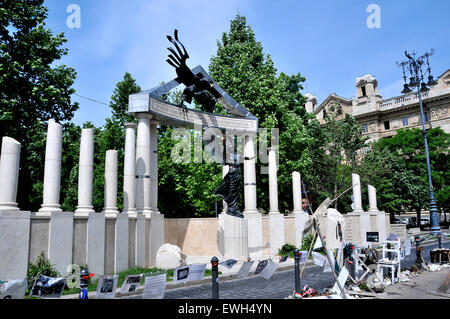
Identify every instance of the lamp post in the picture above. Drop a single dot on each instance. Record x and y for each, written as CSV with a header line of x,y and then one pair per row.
x,y
416,80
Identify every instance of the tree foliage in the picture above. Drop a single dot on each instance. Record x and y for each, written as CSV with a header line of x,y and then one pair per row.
x,y
34,89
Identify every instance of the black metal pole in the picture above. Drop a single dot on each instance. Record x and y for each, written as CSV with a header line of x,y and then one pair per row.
x,y
297,270
215,277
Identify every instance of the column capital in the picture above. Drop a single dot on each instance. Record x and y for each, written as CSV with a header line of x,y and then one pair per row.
x,y
130,125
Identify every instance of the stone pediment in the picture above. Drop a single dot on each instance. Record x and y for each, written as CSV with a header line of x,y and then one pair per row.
x,y
170,114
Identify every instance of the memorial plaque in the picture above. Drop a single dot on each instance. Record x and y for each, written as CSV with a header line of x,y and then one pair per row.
x,y
372,237
261,265
131,284
154,286
245,269
181,274
106,288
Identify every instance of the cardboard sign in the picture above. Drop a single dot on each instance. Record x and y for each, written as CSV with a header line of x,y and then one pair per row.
x,y
106,288
229,263
196,272
373,237
48,287
154,286
269,269
245,269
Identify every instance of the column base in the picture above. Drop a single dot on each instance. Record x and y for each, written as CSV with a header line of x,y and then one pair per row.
x,y
83,211
110,212
9,206
47,210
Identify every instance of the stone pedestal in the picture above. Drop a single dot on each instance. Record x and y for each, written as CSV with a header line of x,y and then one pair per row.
x,y
129,174
140,241
52,169
14,244
276,230
96,243
235,236
60,241
300,222
86,173
121,243
143,165
110,208
9,173
155,236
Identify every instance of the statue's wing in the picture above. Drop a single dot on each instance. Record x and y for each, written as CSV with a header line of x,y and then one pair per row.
x,y
178,58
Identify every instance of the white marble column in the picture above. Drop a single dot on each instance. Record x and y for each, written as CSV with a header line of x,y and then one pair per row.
x,y
297,192
154,165
9,173
129,174
143,165
273,183
276,220
249,175
357,202
251,214
52,168
110,208
225,170
372,198
86,172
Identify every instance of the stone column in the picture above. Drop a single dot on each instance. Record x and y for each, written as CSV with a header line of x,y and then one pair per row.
x,y
249,175
251,214
356,193
9,173
110,208
52,168
86,172
129,173
276,220
297,192
372,198
154,165
156,230
273,183
300,217
225,170
143,165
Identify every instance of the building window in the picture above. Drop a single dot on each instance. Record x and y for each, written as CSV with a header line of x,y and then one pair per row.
x,y
363,90
425,114
386,125
365,128
405,121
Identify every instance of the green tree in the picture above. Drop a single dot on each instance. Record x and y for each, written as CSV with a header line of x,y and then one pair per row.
x,y
242,69
34,89
409,145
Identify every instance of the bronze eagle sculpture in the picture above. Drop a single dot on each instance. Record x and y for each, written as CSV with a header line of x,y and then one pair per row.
x,y
197,87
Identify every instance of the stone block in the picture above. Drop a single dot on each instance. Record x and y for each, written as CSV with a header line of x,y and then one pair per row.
x,y
96,243
276,229
60,241
170,257
121,243
14,244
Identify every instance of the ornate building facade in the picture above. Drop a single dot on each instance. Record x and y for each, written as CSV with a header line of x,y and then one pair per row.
x,y
380,117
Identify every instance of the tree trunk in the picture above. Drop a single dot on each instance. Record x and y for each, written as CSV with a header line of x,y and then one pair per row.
x,y
418,216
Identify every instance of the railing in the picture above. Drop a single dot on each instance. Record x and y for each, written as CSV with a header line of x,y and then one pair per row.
x,y
402,100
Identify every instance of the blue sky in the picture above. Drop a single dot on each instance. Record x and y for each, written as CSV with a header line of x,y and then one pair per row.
x,y
327,41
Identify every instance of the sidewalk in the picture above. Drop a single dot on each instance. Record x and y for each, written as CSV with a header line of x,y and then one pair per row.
x,y
424,286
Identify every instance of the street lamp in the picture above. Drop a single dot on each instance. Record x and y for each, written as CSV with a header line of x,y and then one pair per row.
x,y
416,80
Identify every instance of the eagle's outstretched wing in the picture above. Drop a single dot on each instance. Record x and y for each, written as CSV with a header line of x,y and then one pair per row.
x,y
178,61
